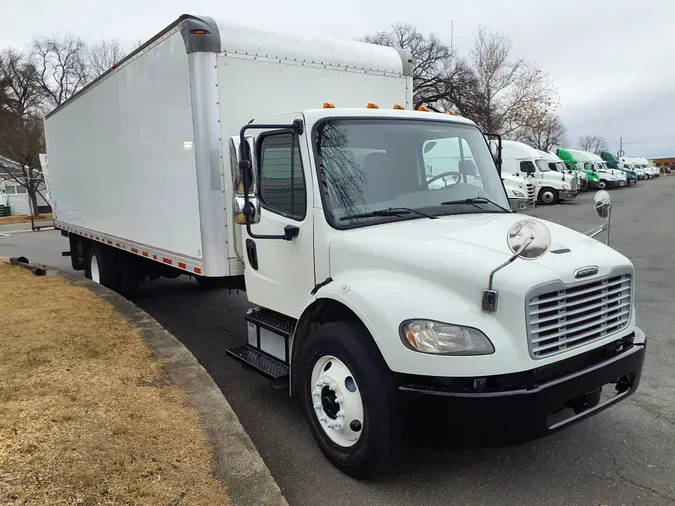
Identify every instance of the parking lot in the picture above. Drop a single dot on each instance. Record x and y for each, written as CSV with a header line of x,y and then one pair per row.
x,y
625,455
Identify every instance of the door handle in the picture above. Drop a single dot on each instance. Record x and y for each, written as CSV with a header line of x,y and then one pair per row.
x,y
252,253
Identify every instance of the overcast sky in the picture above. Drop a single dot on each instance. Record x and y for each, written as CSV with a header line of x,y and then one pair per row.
x,y
613,61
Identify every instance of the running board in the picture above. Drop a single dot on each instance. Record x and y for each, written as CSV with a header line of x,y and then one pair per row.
x,y
260,361
274,322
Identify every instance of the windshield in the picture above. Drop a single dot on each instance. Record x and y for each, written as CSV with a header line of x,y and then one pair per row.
x,y
561,166
368,165
542,165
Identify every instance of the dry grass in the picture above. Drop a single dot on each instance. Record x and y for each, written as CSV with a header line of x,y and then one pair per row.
x,y
12,220
87,414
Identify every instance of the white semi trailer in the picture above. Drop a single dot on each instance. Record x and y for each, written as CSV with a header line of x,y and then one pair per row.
x,y
261,160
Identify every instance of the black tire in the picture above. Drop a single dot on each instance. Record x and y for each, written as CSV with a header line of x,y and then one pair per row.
x,y
548,196
101,268
602,184
114,271
380,446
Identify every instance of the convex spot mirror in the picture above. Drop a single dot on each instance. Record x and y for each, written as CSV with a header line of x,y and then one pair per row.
x,y
531,233
602,203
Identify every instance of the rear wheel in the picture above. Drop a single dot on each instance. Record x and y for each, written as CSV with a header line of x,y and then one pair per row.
x,y
548,196
349,398
112,270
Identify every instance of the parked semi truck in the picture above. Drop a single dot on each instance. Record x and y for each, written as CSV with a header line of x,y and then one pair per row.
x,y
573,164
613,163
294,168
557,164
588,161
550,186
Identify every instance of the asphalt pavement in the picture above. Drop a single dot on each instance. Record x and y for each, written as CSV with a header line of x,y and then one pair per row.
x,y
623,456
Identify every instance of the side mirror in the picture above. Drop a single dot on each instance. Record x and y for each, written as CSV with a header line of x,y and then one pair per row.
x,y
244,179
602,202
529,239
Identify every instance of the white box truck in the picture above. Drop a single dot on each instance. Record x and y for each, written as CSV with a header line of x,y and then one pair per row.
x,y
261,160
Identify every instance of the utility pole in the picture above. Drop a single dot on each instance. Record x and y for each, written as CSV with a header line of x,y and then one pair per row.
x,y
620,152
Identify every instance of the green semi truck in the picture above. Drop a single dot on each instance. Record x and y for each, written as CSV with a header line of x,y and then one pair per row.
x,y
571,163
613,163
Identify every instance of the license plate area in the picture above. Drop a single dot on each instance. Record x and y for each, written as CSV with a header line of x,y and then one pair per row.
x,y
589,402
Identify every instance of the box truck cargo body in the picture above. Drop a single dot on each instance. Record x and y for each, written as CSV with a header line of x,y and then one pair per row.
x,y
381,274
140,153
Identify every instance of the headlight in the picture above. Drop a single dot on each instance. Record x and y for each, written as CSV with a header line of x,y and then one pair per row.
x,y
444,339
518,194
566,186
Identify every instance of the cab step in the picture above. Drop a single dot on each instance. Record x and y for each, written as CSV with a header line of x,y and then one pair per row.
x,y
274,322
260,361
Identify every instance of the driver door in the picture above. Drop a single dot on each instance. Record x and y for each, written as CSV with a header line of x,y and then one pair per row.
x,y
280,273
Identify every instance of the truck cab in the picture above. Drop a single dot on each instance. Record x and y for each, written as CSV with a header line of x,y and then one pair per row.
x,y
437,156
573,164
557,164
602,167
589,163
613,163
550,186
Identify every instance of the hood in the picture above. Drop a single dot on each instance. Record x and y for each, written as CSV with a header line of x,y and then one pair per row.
x,y
462,250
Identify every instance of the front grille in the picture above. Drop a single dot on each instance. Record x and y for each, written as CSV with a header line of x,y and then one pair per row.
x,y
573,183
566,318
530,192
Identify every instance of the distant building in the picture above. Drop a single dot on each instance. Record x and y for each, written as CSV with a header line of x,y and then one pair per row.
x,y
14,195
664,162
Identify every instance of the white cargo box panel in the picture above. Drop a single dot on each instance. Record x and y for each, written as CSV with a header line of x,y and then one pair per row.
x,y
141,154
122,155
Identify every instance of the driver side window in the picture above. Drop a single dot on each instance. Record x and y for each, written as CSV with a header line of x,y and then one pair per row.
x,y
451,157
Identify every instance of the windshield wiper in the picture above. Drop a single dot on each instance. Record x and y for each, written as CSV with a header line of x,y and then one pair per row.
x,y
474,201
391,211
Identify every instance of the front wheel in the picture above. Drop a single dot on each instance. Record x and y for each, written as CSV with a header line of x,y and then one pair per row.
x,y
602,184
548,196
350,400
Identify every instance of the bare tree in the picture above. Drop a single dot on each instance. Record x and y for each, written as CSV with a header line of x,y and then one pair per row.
x,y
19,83
22,140
136,44
61,64
543,132
432,61
593,144
102,56
509,91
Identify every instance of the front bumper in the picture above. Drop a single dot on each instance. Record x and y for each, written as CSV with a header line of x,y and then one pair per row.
x,y
567,194
623,183
593,185
632,182
541,400
518,205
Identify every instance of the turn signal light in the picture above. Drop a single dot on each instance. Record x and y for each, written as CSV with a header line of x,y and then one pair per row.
x,y
328,105
423,109
372,105
399,106
450,113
